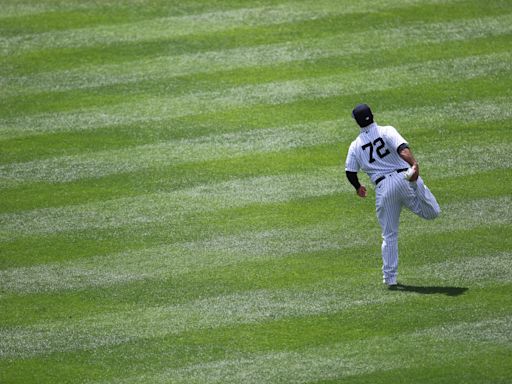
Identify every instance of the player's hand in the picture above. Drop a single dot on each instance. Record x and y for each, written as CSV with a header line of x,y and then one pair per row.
x,y
416,173
361,191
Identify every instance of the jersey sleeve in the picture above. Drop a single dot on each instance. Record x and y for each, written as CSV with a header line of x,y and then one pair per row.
x,y
393,138
351,163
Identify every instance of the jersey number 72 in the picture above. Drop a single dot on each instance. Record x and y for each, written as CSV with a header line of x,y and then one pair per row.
x,y
379,148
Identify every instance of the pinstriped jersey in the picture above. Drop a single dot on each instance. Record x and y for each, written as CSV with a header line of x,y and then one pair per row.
x,y
375,151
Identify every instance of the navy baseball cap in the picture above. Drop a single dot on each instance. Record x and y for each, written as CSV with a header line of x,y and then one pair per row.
x,y
363,115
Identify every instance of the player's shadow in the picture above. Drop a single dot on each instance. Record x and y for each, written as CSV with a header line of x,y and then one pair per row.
x,y
448,291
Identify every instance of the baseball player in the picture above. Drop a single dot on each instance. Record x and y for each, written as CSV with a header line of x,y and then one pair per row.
x,y
384,155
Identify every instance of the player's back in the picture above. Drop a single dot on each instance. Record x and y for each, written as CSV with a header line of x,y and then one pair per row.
x,y
376,150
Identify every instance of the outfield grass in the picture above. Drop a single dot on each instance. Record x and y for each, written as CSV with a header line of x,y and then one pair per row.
x,y
173,202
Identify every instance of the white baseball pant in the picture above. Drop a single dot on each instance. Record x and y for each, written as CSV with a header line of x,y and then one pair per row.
x,y
393,193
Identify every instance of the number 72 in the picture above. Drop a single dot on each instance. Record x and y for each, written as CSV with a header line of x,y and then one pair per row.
x,y
379,146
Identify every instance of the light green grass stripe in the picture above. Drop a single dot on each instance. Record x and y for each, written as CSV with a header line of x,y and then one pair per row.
x,y
348,359
180,258
205,23
251,307
231,145
474,271
159,108
208,62
19,9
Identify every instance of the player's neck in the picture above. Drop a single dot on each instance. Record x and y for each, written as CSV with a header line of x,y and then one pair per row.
x,y
368,127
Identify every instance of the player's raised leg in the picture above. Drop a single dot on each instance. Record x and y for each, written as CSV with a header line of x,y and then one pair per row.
x,y
421,200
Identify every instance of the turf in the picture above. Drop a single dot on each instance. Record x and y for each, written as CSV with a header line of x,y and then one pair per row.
x,y
174,207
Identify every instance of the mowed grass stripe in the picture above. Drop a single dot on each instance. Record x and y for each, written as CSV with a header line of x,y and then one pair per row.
x,y
38,12
264,55
18,9
275,93
475,271
167,206
492,156
171,260
289,334
474,91
49,248
68,58
229,310
68,100
288,272
42,10
231,145
342,361
200,149
461,162
171,206
202,23
168,178
291,272
248,307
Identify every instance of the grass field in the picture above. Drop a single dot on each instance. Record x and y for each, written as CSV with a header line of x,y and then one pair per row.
x,y
174,207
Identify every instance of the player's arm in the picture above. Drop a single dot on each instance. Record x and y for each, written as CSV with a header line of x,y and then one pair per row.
x,y
351,168
354,180
406,154
395,140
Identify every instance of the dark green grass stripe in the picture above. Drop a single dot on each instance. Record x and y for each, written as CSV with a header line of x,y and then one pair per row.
x,y
169,178
67,246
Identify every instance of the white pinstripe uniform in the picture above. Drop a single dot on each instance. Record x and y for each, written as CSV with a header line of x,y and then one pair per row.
x,y
375,151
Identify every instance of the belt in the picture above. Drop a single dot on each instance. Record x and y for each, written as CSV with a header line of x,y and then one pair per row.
x,y
383,177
